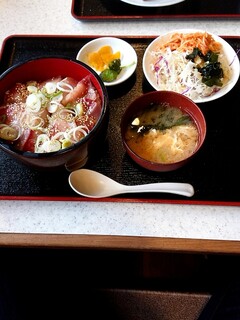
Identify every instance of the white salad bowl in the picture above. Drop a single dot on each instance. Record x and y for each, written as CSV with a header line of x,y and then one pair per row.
x,y
162,69
128,56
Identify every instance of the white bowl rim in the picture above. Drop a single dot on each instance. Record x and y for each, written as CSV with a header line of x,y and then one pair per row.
x,y
156,3
231,56
128,53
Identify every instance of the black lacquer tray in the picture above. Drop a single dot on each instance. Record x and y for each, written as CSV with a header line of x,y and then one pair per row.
x,y
115,9
214,172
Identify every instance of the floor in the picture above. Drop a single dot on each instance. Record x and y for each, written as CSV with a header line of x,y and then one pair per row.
x,y
67,284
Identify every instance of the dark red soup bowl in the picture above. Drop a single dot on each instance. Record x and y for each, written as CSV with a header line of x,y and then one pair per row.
x,y
162,130
53,113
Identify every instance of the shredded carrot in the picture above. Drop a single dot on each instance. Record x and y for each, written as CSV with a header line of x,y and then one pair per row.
x,y
187,42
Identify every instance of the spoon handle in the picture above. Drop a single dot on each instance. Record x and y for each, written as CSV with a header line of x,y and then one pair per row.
x,y
184,189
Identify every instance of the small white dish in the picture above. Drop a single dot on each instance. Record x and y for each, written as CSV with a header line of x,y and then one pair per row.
x,y
152,3
151,67
128,56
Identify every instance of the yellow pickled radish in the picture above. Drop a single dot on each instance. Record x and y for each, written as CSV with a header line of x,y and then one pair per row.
x,y
100,59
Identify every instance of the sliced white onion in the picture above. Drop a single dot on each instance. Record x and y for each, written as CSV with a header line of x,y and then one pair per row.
x,y
83,129
23,119
9,133
51,146
79,109
72,134
67,114
2,125
41,139
42,97
53,106
59,136
58,98
50,87
32,89
63,86
34,122
33,103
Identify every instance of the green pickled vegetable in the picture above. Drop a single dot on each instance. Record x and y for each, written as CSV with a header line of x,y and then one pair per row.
x,y
110,74
114,68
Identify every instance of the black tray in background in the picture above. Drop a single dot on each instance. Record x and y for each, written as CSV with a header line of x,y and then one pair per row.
x,y
116,9
214,172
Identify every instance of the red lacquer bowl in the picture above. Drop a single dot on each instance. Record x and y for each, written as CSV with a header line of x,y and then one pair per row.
x,y
175,100
44,68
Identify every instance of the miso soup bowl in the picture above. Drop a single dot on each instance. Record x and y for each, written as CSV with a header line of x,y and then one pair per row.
x,y
41,69
172,99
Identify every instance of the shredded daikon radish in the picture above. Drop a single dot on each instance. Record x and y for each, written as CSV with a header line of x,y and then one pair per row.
x,y
174,72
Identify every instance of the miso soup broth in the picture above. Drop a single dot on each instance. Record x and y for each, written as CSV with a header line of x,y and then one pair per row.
x,y
162,134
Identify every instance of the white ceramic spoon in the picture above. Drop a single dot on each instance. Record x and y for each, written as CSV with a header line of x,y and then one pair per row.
x,y
93,184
